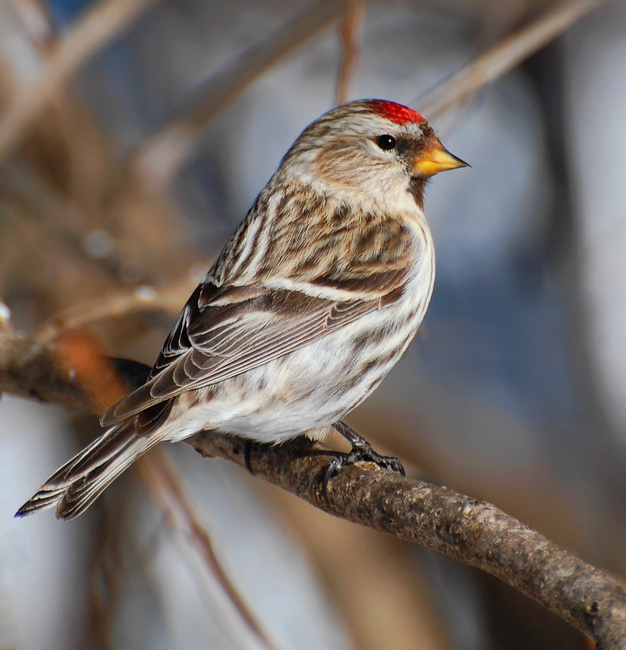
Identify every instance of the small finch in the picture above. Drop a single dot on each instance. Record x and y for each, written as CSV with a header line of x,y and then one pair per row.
x,y
310,304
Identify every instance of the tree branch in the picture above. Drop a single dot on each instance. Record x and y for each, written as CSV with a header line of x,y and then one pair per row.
x,y
503,57
35,370
474,532
158,158
349,30
103,22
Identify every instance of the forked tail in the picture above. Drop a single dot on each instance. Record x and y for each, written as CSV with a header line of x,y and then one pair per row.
x,y
76,485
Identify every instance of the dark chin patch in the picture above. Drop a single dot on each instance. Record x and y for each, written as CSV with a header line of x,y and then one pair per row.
x,y
416,188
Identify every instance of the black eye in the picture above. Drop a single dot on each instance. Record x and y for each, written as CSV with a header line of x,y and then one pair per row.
x,y
386,142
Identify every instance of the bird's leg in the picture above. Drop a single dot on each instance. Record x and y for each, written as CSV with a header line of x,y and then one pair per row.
x,y
361,451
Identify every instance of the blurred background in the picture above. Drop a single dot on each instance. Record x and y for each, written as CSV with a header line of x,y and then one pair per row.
x,y
134,137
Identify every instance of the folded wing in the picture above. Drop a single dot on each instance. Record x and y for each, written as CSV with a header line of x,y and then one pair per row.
x,y
224,332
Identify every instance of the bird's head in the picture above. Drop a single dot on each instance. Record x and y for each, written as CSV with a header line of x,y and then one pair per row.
x,y
372,151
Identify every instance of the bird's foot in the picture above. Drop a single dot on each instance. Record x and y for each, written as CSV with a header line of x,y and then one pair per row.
x,y
361,452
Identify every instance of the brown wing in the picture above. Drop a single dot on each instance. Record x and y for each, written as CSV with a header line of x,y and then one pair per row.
x,y
222,333
225,331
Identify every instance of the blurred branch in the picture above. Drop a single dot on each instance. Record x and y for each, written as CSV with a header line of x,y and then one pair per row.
x,y
349,31
36,20
473,532
117,305
167,489
503,57
35,370
157,160
102,23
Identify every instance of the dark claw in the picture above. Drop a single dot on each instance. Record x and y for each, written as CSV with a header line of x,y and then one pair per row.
x,y
247,452
333,467
361,451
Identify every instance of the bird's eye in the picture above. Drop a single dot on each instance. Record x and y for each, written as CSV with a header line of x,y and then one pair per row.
x,y
386,142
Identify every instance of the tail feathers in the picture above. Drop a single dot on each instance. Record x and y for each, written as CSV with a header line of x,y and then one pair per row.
x,y
76,485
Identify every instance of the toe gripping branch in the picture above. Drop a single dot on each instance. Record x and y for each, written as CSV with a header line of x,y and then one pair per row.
x,y
247,453
361,451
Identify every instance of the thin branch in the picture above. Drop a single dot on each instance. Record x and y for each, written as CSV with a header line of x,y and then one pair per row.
x,y
157,160
473,532
503,57
349,31
102,23
166,487
116,305
36,21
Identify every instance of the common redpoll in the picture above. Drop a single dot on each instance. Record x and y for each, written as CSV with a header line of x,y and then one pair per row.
x,y
310,304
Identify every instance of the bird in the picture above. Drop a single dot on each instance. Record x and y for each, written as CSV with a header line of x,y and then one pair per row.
x,y
309,305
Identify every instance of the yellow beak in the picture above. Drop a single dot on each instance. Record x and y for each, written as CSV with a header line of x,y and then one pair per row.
x,y
438,159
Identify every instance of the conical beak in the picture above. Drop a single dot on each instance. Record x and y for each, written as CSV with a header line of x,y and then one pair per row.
x,y
438,159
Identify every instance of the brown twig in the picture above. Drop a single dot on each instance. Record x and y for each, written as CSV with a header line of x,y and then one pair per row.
x,y
474,532
503,57
36,21
116,305
349,31
157,160
105,21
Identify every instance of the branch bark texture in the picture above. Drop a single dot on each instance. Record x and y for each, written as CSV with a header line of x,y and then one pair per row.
x,y
474,532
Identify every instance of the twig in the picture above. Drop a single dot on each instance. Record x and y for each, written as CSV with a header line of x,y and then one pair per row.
x,y
349,31
117,305
503,57
473,532
36,21
157,159
105,21
166,487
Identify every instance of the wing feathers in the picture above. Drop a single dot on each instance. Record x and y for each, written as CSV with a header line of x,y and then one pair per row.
x,y
224,331
226,340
